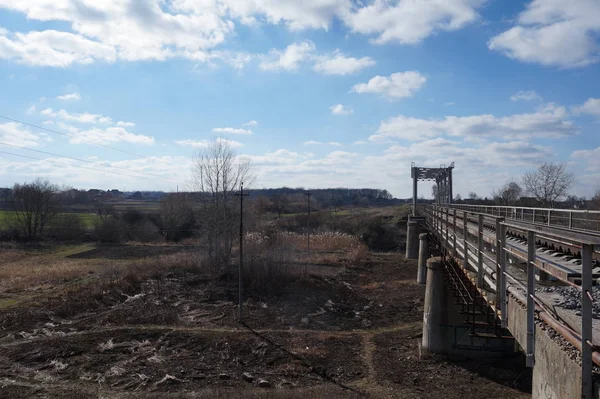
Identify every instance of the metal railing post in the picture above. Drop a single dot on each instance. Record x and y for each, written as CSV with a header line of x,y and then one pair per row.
x,y
586,322
480,252
498,261
502,278
530,359
447,229
549,216
454,233
570,220
533,216
465,239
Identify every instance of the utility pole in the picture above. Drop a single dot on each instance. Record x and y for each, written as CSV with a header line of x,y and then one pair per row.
x,y
308,194
240,278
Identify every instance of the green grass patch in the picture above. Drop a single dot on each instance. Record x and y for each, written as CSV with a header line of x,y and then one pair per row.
x,y
8,219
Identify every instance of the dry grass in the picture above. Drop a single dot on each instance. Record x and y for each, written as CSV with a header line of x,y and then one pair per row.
x,y
274,261
324,242
20,271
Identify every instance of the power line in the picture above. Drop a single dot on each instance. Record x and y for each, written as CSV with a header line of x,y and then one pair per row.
x,y
78,159
72,136
76,166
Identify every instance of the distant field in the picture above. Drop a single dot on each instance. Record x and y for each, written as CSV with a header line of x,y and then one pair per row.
x,y
7,219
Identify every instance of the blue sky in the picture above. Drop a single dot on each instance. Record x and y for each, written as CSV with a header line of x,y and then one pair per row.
x,y
316,94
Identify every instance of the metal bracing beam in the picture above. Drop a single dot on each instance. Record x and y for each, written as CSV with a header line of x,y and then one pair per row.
x,y
586,323
480,252
502,278
530,355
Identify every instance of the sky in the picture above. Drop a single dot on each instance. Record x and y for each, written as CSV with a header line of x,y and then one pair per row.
x,y
322,93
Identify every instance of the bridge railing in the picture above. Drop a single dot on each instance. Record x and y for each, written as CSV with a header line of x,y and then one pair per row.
x,y
477,239
575,219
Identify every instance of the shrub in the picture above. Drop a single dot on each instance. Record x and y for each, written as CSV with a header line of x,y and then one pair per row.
x,y
66,227
109,231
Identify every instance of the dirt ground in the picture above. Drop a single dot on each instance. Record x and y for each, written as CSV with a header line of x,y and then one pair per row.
x,y
352,333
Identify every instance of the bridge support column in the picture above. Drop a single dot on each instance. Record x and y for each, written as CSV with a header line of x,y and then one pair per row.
x,y
423,256
433,312
412,239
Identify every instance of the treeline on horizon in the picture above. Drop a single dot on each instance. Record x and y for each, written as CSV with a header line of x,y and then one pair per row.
x,y
332,196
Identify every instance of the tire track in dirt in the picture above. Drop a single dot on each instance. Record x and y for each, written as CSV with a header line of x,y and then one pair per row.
x,y
204,330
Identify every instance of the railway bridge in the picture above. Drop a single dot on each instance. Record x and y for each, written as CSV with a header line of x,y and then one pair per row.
x,y
511,278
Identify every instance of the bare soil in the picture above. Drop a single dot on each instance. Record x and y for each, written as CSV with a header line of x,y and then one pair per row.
x,y
352,333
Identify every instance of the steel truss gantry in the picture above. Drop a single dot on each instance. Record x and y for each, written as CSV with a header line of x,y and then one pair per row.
x,y
442,177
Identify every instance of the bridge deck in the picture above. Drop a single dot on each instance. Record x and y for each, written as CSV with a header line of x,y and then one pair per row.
x,y
551,262
555,263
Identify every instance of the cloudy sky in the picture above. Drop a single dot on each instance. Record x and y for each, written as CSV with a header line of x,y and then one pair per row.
x,y
320,93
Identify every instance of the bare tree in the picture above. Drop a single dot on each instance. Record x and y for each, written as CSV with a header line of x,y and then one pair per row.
x,y
473,196
35,205
508,194
595,201
104,210
549,183
175,213
434,192
280,203
217,173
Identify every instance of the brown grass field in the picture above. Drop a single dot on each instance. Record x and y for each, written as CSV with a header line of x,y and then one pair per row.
x,y
155,321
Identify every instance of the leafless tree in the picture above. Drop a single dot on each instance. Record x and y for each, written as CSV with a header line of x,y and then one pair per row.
x,y
435,192
280,203
217,173
35,205
473,196
104,210
549,183
508,194
595,201
175,211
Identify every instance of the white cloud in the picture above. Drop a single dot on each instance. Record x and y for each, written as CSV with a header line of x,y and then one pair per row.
x,y
125,124
109,136
334,158
526,95
550,121
553,32
591,107
590,157
173,170
338,64
16,134
112,30
339,109
397,85
314,142
53,48
250,123
206,143
69,97
290,58
231,130
48,123
316,14
278,157
30,110
409,21
84,117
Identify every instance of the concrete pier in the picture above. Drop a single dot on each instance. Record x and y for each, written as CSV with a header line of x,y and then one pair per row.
x,y
423,256
412,239
433,312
